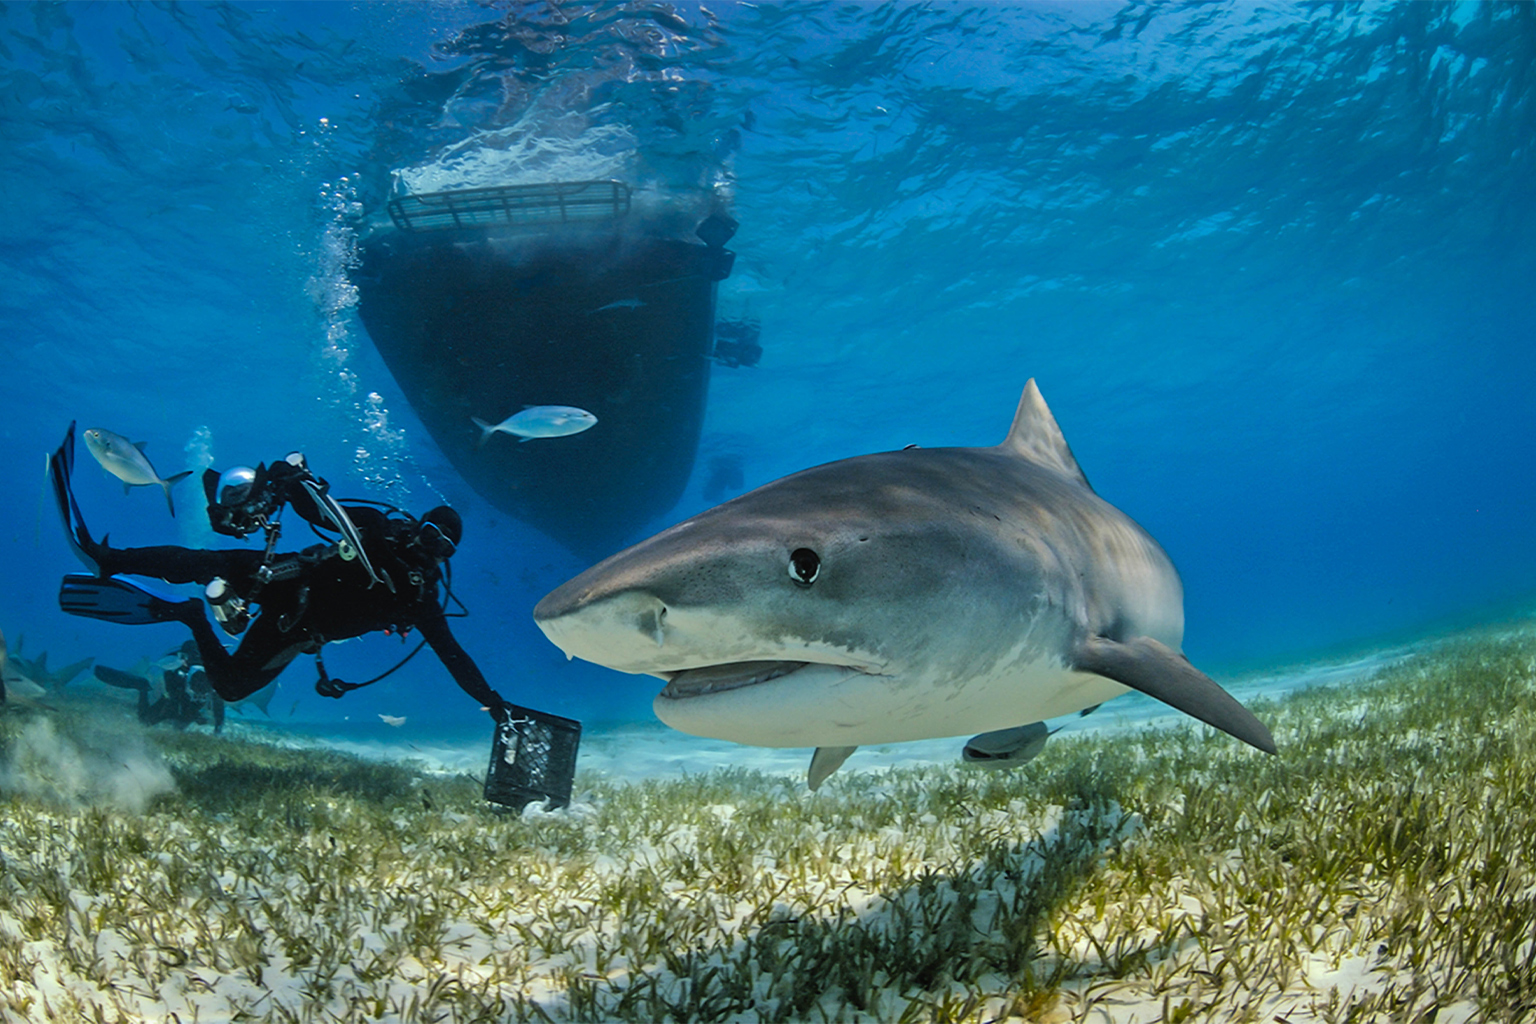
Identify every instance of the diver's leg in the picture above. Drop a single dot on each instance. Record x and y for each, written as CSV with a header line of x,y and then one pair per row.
x,y
154,714
127,681
176,564
263,653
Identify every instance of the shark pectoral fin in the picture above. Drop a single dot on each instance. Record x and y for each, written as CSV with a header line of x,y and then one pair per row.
x,y
1006,746
1162,673
824,762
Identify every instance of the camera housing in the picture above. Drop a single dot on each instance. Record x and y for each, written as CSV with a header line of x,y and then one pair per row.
x,y
253,507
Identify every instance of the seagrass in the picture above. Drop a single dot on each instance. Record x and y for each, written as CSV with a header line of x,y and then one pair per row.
x,y
1382,867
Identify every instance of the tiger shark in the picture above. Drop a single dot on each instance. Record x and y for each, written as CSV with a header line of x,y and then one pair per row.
x,y
898,596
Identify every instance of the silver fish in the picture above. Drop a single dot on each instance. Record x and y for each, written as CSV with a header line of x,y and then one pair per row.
x,y
621,304
539,421
125,460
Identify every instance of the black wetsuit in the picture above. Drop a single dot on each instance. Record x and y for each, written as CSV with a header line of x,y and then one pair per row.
x,y
314,596
187,696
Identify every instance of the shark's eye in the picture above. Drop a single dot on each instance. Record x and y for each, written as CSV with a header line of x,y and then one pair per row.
x,y
804,566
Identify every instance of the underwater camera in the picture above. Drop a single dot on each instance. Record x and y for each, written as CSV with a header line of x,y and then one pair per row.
x,y
243,500
533,757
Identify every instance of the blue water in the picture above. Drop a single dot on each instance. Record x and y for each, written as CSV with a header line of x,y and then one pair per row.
x,y
1273,266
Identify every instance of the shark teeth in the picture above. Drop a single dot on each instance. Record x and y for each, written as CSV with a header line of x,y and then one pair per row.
x,y
695,682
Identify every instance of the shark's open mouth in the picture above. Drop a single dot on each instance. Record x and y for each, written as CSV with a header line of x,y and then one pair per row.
x,y
695,682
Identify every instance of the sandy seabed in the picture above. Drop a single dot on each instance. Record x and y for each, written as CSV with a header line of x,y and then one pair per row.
x,y
1144,868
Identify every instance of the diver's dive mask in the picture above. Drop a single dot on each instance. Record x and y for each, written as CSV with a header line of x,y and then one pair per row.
x,y
431,539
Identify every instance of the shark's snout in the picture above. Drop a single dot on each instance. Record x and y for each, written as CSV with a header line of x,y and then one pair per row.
x,y
564,600
618,630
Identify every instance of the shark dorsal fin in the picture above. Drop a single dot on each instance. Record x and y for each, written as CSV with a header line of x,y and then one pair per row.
x,y
1036,437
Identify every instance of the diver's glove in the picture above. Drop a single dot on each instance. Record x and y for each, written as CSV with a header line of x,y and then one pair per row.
x,y
501,711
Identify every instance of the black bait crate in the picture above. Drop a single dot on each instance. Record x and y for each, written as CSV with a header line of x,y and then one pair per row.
x,y
533,757
511,205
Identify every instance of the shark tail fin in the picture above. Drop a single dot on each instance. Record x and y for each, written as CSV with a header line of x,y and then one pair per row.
x,y
1166,675
1036,436
170,482
262,698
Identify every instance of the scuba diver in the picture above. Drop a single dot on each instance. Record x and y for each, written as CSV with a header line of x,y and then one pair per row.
x,y
187,696
383,571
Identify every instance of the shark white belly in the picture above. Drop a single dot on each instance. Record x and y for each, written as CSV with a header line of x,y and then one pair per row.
x,y
854,709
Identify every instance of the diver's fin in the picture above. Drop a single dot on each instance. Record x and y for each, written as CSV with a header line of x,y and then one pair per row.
x,y
114,599
1161,672
824,762
125,680
1006,747
61,467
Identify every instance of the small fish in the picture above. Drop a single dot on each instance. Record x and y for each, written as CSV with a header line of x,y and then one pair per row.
x,y
621,304
538,421
125,460
395,720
